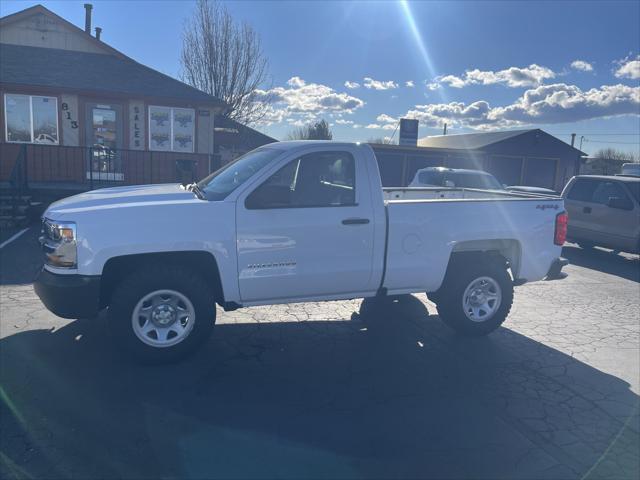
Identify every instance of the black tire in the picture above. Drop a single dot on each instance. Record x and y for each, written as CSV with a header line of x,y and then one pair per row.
x,y
459,276
434,297
133,288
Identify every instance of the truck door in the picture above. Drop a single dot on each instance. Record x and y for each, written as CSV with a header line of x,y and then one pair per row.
x,y
579,205
616,223
307,230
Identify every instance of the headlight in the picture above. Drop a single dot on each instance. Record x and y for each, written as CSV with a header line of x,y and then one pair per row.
x,y
59,244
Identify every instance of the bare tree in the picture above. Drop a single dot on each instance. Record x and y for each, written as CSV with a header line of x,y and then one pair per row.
x,y
314,131
224,58
614,154
608,161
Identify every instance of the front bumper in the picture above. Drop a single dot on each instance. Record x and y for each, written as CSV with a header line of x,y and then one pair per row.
x,y
69,296
555,272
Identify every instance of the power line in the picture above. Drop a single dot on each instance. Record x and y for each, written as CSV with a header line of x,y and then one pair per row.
x,y
605,141
598,134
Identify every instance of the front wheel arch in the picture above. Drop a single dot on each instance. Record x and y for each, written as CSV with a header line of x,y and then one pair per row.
x,y
118,268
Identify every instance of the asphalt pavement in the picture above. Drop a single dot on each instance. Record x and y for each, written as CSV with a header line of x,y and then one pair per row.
x,y
333,390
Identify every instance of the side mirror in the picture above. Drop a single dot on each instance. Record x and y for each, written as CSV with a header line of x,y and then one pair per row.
x,y
620,203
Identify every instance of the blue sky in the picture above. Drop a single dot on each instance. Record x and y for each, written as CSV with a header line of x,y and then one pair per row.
x,y
474,65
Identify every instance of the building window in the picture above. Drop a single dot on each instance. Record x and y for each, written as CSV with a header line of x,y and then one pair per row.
x,y
31,119
171,129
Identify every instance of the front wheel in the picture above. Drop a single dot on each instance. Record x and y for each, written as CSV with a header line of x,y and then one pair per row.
x,y
161,313
476,299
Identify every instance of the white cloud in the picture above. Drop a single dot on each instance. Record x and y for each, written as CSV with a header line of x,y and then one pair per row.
x,y
351,85
296,82
629,68
304,101
561,103
342,121
451,80
383,126
409,83
582,66
379,84
530,76
557,103
384,118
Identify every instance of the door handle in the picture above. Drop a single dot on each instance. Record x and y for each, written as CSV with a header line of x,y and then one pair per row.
x,y
586,210
355,221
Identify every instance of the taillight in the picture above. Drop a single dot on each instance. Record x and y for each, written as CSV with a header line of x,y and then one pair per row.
x,y
560,235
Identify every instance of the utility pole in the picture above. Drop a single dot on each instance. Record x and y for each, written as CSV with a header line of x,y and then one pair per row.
x,y
445,129
573,139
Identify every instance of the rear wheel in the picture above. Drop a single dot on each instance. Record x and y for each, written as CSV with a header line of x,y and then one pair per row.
x,y
161,313
476,297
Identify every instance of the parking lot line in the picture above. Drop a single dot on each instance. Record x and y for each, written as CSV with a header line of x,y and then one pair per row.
x,y
14,237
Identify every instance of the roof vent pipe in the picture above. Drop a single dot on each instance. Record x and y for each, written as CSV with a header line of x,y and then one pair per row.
x,y
87,17
98,32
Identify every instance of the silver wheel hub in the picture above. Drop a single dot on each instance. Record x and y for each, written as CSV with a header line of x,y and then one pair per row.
x,y
163,315
481,299
163,318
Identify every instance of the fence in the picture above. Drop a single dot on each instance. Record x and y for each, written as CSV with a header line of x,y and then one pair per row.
x,y
86,168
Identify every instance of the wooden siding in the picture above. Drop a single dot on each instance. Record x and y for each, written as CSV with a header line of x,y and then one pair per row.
x,y
42,30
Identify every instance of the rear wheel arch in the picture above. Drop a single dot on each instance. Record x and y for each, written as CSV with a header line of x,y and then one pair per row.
x,y
201,262
504,251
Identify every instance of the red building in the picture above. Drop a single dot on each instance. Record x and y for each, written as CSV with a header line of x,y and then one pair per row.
x,y
76,113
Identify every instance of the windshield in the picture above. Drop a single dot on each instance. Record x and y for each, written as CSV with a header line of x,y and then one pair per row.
x,y
221,183
460,179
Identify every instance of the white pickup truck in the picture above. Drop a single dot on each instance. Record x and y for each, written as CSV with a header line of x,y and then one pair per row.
x,y
289,222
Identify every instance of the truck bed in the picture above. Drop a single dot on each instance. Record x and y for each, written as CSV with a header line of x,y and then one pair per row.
x,y
425,225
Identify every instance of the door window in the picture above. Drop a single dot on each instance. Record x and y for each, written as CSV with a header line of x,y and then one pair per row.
x,y
104,136
321,179
606,190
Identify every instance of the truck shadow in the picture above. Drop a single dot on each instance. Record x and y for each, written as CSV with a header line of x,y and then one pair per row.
x,y
604,261
389,392
21,260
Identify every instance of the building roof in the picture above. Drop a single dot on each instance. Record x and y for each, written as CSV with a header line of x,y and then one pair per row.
x,y
95,72
228,131
469,141
112,72
39,9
